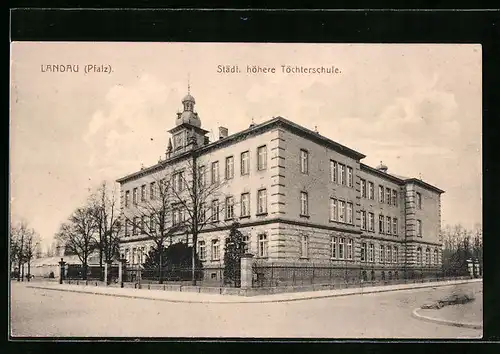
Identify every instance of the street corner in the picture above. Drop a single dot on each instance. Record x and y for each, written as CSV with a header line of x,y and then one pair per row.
x,y
432,314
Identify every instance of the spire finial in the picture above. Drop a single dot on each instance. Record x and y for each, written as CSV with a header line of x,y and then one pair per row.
x,y
189,85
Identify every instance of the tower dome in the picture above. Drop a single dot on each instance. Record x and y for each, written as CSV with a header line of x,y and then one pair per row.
x,y
188,115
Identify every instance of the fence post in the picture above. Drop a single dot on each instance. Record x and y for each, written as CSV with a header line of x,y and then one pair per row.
x,y
121,265
61,272
246,271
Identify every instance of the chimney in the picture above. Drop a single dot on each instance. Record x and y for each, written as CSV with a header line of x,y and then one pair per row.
x,y
382,167
223,132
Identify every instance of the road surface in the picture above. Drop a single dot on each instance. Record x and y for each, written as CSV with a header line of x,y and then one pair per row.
x,y
49,313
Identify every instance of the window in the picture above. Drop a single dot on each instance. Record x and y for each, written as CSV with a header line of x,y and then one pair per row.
x,y
371,253
419,228
202,181
395,226
304,161
176,215
134,255
143,193
246,240
363,220
371,191
333,247
304,246
229,208
394,197
203,212
388,196
341,211
134,196
127,198
382,253
134,226
436,257
178,181
126,228
381,194
262,158
304,207
428,256
389,254
363,252
349,177
349,249
215,250
349,213
202,251
371,222
333,209
342,174
261,201
143,224
229,167
215,210
152,223
333,171
215,172
381,224
395,254
245,163
263,245
152,190
245,204
388,225
341,247
127,255
419,200
419,255
363,188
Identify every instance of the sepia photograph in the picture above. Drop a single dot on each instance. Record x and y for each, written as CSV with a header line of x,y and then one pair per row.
x,y
245,190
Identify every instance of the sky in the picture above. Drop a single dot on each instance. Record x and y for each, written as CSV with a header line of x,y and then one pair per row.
x,y
415,107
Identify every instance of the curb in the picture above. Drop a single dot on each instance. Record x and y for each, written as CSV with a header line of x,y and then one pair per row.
x,y
249,301
416,315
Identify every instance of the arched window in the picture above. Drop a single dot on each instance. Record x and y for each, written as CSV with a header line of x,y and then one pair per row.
x,y
428,256
436,257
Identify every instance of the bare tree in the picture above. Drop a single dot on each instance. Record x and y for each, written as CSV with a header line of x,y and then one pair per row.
x,y
106,213
152,215
31,249
22,239
193,195
78,235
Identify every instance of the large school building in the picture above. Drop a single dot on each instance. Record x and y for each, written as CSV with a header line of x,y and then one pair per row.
x,y
298,196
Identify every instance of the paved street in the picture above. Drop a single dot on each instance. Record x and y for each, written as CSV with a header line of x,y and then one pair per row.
x,y
39,312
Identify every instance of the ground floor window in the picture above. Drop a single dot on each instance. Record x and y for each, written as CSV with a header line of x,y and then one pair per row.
x,y
263,245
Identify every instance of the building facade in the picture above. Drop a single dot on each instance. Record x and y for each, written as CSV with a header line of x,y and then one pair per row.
x,y
298,196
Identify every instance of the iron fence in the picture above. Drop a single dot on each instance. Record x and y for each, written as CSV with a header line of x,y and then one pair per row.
x,y
280,275
94,272
206,276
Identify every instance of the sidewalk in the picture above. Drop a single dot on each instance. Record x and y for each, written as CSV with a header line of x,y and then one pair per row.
x,y
191,297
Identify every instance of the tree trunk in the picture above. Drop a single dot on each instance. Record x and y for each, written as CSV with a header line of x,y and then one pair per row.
x,y
84,275
193,265
160,265
29,269
22,273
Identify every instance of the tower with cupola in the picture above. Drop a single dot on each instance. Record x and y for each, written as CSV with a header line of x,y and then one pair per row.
x,y
187,133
